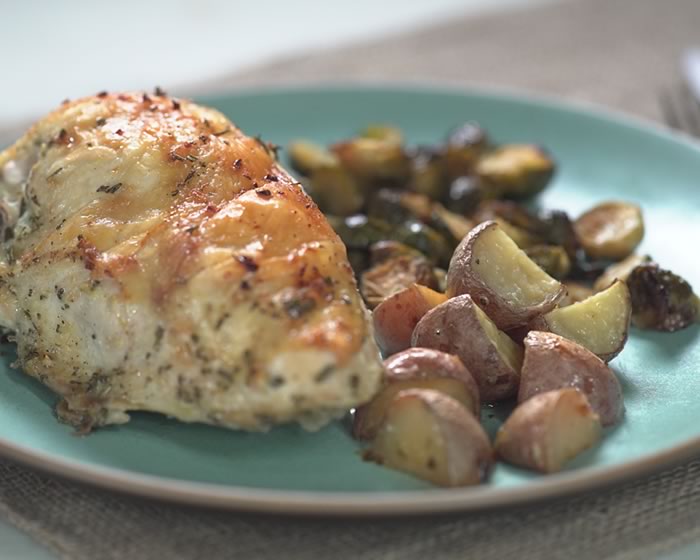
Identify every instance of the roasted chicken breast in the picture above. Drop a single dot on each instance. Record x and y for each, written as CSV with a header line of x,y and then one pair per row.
x,y
156,258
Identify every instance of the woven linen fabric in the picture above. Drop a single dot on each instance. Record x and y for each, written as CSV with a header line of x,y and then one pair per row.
x,y
619,53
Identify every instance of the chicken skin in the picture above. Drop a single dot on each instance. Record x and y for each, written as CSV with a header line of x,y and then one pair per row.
x,y
155,258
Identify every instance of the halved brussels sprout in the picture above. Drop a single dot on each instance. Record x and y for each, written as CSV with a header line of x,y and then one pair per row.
x,y
661,300
464,194
306,156
336,191
373,161
516,171
465,144
384,132
550,258
427,173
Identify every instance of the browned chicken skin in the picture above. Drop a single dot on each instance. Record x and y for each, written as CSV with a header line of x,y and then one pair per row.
x,y
159,259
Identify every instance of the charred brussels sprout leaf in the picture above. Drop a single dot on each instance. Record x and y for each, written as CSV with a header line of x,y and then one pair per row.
x,y
661,300
393,275
464,194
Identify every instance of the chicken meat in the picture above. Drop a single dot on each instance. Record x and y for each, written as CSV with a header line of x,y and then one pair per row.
x,y
155,258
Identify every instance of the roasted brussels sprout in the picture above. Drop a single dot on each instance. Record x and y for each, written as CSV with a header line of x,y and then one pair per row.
x,y
661,300
384,132
558,229
374,161
396,206
550,258
427,173
458,226
359,232
306,157
428,241
610,230
387,249
515,171
464,194
465,144
393,275
336,191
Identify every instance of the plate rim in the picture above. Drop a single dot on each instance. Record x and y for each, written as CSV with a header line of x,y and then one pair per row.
x,y
399,502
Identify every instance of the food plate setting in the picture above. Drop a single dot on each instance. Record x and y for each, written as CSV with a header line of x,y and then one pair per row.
x,y
639,416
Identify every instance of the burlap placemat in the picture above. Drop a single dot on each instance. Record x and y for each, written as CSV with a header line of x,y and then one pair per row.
x,y
615,52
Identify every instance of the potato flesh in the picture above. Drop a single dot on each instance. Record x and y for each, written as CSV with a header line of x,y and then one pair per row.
x,y
509,272
619,271
575,428
507,349
410,440
374,412
599,323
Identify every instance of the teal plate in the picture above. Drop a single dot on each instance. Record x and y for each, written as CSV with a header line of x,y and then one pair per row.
x,y
601,156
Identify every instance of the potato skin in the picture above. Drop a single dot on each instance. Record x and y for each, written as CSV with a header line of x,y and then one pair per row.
x,y
462,279
425,363
525,437
396,317
453,327
554,362
468,452
417,365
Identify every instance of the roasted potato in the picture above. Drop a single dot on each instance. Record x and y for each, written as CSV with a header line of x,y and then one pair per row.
x,y
306,157
548,430
458,326
575,292
619,271
395,318
465,144
515,171
373,160
599,323
554,362
500,277
553,259
661,300
433,437
393,275
417,368
610,230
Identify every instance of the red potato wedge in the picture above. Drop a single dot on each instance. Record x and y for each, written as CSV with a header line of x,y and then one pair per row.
x,y
510,288
600,323
431,436
548,430
396,317
554,362
417,368
460,327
